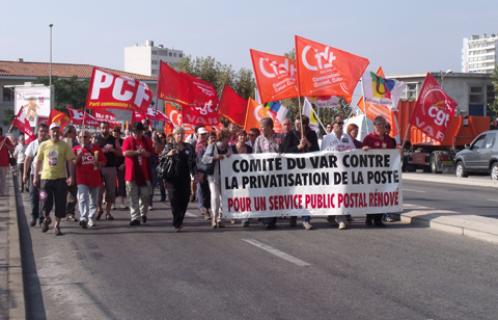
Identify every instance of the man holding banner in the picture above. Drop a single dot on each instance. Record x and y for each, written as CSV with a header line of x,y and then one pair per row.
x,y
379,139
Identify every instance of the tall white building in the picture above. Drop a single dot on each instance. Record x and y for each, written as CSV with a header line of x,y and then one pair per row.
x,y
480,53
144,59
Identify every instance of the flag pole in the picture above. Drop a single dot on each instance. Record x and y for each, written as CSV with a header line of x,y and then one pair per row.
x,y
318,118
301,115
364,105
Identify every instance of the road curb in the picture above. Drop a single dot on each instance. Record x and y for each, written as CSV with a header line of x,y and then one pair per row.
x,y
476,227
17,305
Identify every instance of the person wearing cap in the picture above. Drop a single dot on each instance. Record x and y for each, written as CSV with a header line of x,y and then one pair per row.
x,y
137,150
54,161
178,186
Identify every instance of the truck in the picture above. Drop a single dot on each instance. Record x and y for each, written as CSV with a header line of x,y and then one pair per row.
x,y
423,152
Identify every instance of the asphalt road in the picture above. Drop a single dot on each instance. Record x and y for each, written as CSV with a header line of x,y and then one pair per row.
x,y
150,272
459,198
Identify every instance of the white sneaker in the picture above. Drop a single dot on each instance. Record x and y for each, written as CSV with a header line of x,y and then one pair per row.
x,y
91,223
342,225
307,225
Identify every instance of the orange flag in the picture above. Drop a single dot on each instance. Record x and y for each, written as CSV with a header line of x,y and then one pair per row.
x,y
256,112
58,117
327,71
275,76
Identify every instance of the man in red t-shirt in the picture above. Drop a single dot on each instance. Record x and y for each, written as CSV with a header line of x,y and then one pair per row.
x,y
89,159
137,150
379,139
5,146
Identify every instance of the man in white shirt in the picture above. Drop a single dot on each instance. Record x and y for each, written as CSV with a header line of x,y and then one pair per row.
x,y
338,141
29,171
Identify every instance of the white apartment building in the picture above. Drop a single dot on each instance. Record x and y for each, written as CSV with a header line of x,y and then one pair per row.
x,y
480,53
144,59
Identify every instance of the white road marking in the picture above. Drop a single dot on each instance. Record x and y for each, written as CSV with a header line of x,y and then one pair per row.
x,y
414,190
494,200
191,215
278,253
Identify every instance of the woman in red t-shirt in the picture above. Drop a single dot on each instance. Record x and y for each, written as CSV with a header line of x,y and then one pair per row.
x,y
89,159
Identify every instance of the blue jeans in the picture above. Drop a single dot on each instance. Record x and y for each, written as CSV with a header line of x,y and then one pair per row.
x,y
87,201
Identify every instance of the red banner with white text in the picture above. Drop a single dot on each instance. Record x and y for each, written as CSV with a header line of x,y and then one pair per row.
x,y
108,90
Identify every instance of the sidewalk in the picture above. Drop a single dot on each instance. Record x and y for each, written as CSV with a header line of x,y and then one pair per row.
x,y
470,225
12,304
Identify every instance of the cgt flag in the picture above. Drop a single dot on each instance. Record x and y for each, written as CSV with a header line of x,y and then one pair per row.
x,y
433,109
108,90
326,71
275,76
232,106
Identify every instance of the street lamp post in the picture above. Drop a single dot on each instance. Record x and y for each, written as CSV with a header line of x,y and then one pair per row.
x,y
443,75
50,64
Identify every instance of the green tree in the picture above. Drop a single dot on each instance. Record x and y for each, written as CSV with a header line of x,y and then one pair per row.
x,y
219,74
68,91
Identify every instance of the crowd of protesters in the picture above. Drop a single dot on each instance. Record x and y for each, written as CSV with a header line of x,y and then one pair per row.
x,y
98,172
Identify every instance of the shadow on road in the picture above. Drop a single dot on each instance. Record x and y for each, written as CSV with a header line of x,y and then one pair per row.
x,y
35,308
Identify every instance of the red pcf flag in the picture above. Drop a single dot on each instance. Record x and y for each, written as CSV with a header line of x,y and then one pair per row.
x,y
108,90
327,71
433,110
275,76
232,106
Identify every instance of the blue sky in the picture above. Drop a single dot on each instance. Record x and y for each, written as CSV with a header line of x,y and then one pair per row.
x,y
402,36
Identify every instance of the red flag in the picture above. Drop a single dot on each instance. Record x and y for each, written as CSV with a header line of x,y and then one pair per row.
x,y
204,116
327,71
108,90
275,76
174,119
19,120
75,115
232,106
433,110
184,88
22,123
106,116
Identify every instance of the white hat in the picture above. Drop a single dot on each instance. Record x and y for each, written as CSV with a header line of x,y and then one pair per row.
x,y
54,125
202,130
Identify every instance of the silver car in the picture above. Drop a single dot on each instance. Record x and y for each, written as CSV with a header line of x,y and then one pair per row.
x,y
481,156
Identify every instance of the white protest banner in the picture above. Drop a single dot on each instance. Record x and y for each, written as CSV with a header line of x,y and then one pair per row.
x,y
317,184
